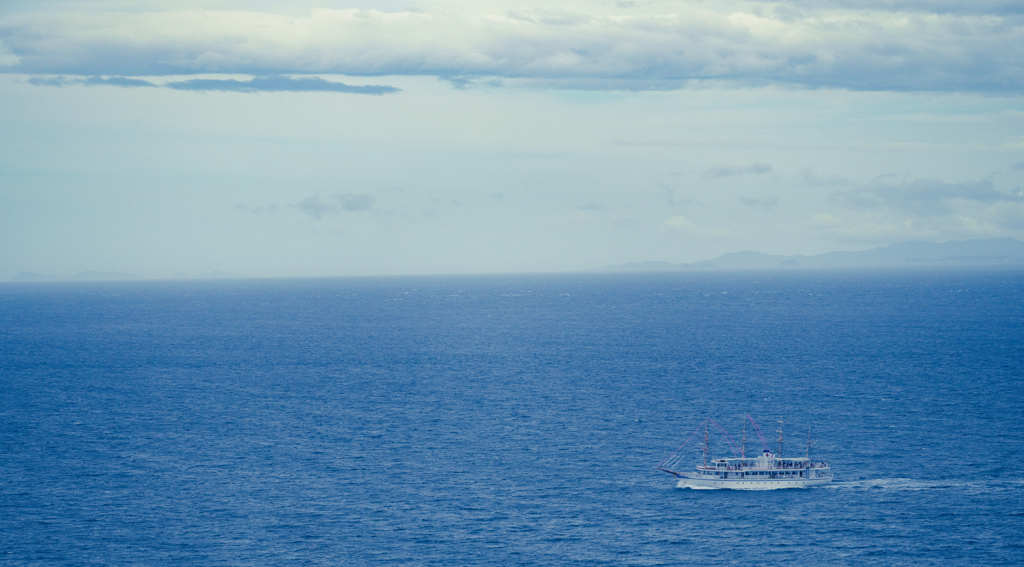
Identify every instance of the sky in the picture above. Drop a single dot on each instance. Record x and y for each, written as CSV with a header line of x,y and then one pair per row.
x,y
281,139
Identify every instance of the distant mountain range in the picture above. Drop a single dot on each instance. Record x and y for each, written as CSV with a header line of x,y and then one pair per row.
x,y
979,252
992,251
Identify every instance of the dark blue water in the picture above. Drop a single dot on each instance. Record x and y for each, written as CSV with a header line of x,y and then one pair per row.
x,y
508,420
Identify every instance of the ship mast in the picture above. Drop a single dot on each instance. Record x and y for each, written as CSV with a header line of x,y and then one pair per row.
x,y
707,444
810,443
743,451
780,437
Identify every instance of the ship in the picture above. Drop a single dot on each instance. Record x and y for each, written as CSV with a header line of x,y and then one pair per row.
x,y
766,471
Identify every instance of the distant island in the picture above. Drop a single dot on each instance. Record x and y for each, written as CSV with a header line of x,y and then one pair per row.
x,y
978,252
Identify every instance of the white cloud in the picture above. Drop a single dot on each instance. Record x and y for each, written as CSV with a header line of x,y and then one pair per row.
x,y
755,43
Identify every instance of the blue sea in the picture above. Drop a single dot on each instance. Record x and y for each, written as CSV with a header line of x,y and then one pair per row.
x,y
510,420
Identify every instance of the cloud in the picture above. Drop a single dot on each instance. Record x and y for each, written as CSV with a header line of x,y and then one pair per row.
x,y
731,171
257,84
886,45
278,84
89,81
316,207
892,208
923,197
867,230
992,7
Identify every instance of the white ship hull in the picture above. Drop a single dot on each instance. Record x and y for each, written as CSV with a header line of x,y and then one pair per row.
x,y
743,484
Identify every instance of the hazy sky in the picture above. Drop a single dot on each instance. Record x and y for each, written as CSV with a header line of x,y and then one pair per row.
x,y
347,138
